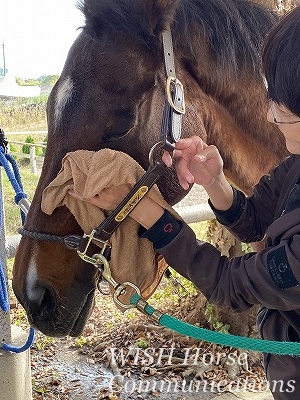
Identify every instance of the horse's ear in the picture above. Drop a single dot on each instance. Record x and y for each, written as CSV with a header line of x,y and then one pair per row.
x,y
160,14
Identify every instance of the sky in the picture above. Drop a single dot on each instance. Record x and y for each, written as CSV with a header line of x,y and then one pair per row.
x,y
37,35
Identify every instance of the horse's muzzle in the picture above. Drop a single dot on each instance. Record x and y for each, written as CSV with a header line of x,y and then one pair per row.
x,y
54,317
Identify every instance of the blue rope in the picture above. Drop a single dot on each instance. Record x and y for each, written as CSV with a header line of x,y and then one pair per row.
x,y
26,346
4,302
11,168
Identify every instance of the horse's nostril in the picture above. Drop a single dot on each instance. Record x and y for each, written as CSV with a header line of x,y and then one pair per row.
x,y
48,302
43,305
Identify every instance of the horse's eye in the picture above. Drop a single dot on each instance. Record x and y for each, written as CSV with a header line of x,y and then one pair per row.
x,y
123,121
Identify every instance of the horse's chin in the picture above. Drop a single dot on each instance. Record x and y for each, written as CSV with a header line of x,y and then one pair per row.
x,y
70,325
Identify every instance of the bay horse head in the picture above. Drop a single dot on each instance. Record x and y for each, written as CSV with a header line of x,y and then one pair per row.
x,y
111,93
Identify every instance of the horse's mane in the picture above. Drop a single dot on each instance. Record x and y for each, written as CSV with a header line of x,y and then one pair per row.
x,y
234,29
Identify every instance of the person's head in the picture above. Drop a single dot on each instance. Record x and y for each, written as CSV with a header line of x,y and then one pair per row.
x,y
281,61
281,68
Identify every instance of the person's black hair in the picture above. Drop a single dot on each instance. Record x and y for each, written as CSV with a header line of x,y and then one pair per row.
x,y
281,61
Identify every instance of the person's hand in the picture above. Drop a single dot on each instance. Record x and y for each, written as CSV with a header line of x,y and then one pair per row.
x,y
146,212
196,162
107,199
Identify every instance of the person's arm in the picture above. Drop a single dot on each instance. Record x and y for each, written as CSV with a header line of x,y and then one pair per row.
x,y
249,217
270,277
246,218
220,193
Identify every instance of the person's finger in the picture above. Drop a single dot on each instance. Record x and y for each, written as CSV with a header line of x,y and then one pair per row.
x,y
184,144
167,159
208,153
189,147
184,175
74,194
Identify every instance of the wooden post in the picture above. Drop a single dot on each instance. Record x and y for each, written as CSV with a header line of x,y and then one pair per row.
x,y
33,160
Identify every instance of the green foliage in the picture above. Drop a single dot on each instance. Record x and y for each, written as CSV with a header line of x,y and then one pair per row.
x,y
44,342
19,317
12,211
142,344
38,388
39,101
45,141
13,149
46,80
213,320
82,341
246,247
26,148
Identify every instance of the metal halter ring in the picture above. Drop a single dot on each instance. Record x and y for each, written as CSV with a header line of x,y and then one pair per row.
x,y
121,289
156,146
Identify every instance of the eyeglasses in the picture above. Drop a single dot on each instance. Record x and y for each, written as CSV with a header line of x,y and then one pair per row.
x,y
285,118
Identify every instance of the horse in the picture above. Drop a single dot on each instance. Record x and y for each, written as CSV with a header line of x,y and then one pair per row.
x,y
111,94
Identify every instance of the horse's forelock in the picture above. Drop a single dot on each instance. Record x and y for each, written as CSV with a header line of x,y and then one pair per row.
x,y
142,19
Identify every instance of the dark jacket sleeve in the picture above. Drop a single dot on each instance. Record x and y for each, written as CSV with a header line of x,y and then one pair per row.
x,y
269,277
253,215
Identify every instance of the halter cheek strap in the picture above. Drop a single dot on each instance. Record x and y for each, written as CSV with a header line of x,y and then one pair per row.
x,y
174,105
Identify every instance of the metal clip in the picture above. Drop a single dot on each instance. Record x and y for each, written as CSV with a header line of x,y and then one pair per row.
x,y
101,263
103,287
24,205
105,271
141,305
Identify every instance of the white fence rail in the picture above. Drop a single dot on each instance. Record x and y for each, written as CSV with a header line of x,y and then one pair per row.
x,y
190,214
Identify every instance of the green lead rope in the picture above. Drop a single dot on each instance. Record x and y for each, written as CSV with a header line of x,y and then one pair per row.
x,y
224,339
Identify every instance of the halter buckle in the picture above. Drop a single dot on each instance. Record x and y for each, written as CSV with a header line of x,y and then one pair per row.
x,y
96,259
175,95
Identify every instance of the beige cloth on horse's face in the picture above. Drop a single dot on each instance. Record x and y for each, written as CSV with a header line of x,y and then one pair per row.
x,y
133,259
